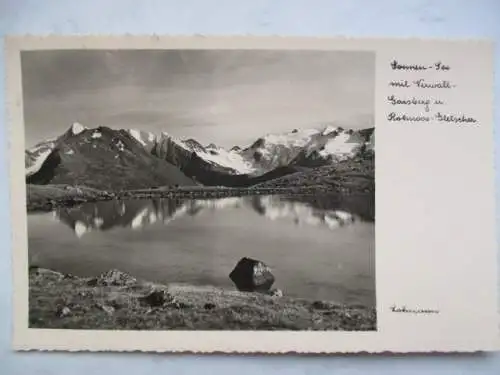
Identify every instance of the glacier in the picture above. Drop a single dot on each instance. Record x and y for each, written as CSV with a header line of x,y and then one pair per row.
x,y
38,162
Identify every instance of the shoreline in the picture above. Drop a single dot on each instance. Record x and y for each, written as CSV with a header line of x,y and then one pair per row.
x,y
44,198
116,300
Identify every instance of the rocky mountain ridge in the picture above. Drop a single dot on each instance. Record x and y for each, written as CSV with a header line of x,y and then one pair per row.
x,y
83,154
102,158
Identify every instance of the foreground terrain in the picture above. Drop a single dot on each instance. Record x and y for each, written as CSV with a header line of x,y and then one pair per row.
x,y
115,300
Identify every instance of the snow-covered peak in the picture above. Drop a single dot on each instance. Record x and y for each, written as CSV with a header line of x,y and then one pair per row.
x,y
340,146
135,133
77,128
233,159
143,137
49,143
38,162
212,146
213,154
36,156
295,138
193,145
227,159
165,136
370,144
330,129
304,147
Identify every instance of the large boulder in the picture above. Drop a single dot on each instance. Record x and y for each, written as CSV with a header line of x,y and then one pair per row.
x,y
251,275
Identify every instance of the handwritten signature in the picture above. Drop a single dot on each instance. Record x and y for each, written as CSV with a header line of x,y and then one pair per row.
x,y
404,309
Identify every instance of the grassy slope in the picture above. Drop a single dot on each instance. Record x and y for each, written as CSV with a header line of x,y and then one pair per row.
x,y
355,175
191,308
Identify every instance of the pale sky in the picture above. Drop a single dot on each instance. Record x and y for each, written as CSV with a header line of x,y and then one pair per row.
x,y
227,97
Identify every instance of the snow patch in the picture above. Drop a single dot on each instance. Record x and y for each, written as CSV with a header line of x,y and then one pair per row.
x,y
138,219
303,213
339,146
49,143
137,135
98,222
81,228
122,210
152,217
313,219
181,143
338,218
228,159
329,129
77,128
264,152
299,138
332,222
219,156
222,203
120,146
344,216
69,152
96,135
181,211
40,159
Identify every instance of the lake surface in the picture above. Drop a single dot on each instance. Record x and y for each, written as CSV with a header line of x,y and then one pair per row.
x,y
317,249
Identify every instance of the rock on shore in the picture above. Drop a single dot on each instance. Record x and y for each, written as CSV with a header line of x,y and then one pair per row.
x,y
250,275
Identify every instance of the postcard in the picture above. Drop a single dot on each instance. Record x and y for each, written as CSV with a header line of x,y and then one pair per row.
x,y
225,194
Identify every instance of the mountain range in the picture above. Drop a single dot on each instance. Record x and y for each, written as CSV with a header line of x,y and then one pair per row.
x,y
110,159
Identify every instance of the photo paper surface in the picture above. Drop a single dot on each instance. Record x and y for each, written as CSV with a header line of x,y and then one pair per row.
x,y
224,194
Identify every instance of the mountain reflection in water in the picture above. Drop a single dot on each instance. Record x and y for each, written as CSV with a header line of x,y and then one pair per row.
x,y
301,210
319,247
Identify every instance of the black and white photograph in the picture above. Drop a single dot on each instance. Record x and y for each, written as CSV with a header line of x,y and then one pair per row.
x,y
200,189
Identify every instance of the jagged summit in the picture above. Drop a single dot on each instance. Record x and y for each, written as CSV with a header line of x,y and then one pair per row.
x,y
330,129
102,158
211,158
77,128
147,139
305,147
